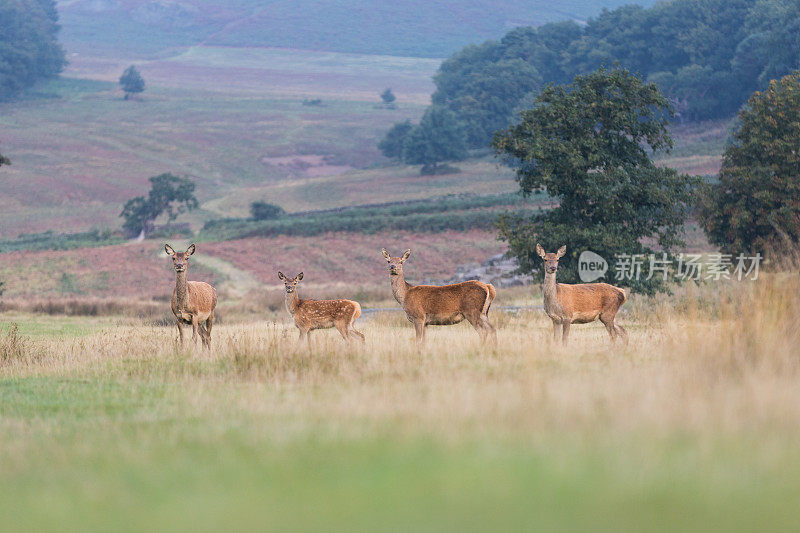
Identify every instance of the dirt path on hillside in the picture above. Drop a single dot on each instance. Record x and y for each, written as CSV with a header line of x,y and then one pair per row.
x,y
237,283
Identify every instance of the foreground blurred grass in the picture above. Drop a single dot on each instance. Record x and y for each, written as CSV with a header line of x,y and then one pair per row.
x,y
693,426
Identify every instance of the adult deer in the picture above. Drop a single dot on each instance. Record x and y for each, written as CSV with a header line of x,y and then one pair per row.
x,y
309,315
442,305
581,303
193,302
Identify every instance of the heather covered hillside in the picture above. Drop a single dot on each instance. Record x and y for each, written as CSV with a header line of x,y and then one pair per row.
x,y
416,28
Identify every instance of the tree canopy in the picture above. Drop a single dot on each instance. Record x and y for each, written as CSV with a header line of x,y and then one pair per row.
x,y
588,145
707,56
439,137
388,97
29,50
131,81
265,211
168,194
755,206
392,143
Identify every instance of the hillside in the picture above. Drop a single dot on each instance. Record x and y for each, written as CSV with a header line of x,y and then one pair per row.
x,y
418,28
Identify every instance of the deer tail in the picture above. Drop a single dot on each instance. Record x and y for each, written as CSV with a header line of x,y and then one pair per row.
x,y
490,294
356,312
622,296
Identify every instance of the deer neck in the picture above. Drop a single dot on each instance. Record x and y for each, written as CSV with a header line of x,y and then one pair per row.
x,y
399,287
550,290
292,302
181,290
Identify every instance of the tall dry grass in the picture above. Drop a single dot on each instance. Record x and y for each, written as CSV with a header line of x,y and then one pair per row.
x,y
712,362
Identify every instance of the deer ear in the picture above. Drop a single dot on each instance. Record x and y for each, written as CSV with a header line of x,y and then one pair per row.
x,y
405,255
561,251
386,254
169,250
540,250
281,276
299,276
190,250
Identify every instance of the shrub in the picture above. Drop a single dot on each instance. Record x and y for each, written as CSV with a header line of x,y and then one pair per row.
x,y
265,211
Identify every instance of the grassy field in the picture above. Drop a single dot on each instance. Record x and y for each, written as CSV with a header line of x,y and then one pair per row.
x,y
234,120
692,426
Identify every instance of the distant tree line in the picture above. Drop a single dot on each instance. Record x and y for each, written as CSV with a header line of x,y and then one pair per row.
x,y
29,50
707,56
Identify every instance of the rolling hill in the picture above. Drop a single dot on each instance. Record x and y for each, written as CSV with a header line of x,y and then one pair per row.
x,y
413,28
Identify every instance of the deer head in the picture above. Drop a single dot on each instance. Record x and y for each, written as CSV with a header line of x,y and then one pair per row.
x,y
396,263
290,284
551,259
180,260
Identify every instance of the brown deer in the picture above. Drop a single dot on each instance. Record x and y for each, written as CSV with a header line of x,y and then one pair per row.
x,y
581,303
442,305
320,314
193,302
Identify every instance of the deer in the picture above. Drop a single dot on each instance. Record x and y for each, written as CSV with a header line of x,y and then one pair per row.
x,y
442,305
309,315
193,302
580,303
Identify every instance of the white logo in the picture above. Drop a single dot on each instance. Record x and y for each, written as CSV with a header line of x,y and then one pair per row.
x,y
591,266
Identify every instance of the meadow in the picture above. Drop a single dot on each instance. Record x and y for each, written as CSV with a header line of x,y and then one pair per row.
x,y
105,423
692,426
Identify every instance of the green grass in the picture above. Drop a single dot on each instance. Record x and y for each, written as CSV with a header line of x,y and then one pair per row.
x,y
54,326
131,455
692,426
50,240
457,212
67,87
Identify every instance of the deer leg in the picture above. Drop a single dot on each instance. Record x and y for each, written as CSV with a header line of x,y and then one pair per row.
x,y
556,330
489,328
303,337
180,333
342,329
479,326
622,332
611,329
209,325
205,338
353,330
419,327
195,328
359,334
565,331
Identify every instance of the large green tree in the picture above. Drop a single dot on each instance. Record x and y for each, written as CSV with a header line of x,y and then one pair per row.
x,y
588,146
168,194
438,138
485,96
755,206
29,50
392,143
